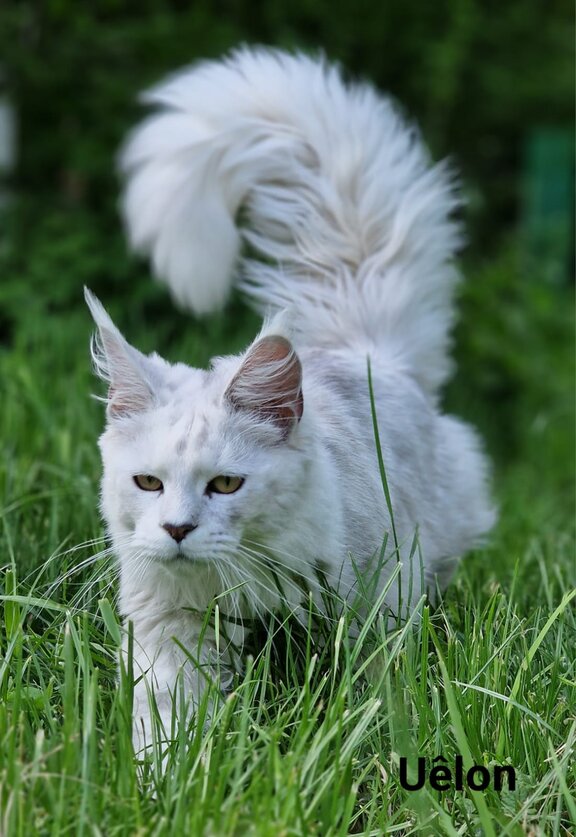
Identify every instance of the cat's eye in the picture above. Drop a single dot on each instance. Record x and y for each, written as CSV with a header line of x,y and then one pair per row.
x,y
224,485
147,482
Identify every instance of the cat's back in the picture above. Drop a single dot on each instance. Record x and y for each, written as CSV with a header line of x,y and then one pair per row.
x,y
434,468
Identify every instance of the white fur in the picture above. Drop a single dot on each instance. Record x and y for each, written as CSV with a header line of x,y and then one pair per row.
x,y
339,193
354,224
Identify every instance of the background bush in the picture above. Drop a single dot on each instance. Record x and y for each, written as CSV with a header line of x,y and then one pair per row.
x,y
479,77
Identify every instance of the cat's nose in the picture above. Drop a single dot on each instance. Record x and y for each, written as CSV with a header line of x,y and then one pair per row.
x,y
178,532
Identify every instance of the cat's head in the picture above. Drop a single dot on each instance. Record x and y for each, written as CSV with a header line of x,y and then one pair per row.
x,y
194,460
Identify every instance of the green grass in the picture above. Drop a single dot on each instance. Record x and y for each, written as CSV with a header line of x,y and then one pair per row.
x,y
309,740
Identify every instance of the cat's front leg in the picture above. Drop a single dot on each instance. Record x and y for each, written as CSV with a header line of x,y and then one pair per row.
x,y
155,708
170,682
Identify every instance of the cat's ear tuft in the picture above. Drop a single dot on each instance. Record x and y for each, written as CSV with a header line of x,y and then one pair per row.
x,y
123,367
269,383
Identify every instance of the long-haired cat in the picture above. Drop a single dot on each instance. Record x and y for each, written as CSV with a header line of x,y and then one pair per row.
x,y
260,476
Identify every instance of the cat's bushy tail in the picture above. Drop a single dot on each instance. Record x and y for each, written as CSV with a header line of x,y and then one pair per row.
x,y
326,183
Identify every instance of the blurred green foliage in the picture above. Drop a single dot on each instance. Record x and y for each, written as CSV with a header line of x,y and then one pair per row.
x,y
478,75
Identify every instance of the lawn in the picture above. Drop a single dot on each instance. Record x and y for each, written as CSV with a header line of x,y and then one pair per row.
x,y
310,739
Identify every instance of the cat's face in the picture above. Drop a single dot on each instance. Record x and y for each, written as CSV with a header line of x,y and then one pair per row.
x,y
196,462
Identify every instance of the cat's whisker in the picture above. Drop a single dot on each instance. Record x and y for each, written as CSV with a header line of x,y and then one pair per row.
x,y
138,565
55,556
231,599
102,556
275,583
83,601
273,566
105,557
106,552
262,570
271,556
302,591
297,559
262,608
83,545
143,560
34,576
278,568
94,587
255,602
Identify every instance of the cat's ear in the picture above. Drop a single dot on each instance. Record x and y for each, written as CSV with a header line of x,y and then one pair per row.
x,y
124,368
269,383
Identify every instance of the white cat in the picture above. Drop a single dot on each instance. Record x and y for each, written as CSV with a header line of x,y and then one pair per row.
x,y
260,476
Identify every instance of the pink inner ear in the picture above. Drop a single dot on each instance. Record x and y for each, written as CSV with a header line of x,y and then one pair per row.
x,y
269,382
125,402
